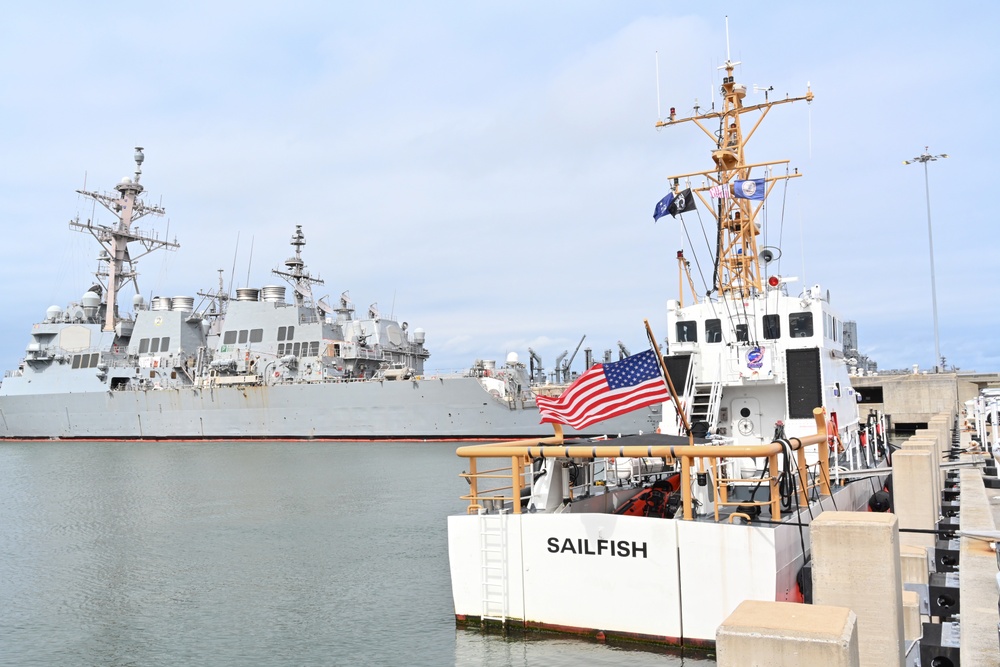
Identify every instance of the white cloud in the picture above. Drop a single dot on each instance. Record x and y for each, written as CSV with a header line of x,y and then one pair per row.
x,y
491,169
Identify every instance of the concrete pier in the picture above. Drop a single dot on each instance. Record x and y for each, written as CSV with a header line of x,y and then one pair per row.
x,y
915,504
932,444
911,616
786,634
856,565
913,562
977,572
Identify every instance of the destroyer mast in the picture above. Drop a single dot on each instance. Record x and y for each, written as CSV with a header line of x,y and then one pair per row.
x,y
118,263
738,265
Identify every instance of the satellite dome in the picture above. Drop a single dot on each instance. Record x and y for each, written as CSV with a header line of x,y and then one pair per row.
x,y
52,313
90,300
126,179
511,358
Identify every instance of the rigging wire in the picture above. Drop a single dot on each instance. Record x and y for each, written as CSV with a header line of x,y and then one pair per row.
x,y
784,201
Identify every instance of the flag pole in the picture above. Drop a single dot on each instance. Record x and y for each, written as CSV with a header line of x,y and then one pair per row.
x,y
670,383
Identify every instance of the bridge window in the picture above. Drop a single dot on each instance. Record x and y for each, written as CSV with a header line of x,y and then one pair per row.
x,y
229,338
742,333
800,325
687,331
282,333
243,336
144,346
154,346
314,348
256,335
772,327
165,344
713,331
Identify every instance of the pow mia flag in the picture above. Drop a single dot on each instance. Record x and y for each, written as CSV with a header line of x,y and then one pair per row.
x,y
682,203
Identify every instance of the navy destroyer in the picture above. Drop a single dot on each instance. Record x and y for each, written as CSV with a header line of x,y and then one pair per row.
x,y
257,366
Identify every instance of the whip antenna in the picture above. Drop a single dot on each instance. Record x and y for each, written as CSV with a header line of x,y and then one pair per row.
x,y
727,38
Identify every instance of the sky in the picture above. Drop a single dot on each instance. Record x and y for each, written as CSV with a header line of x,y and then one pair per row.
x,y
487,171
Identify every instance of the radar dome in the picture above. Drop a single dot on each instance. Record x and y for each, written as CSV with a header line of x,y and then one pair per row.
x,y
126,179
90,300
418,336
511,358
52,313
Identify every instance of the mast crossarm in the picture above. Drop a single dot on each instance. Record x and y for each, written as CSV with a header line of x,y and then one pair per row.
x,y
711,172
109,202
808,97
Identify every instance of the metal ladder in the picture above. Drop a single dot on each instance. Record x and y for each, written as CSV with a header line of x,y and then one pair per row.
x,y
705,405
493,565
701,400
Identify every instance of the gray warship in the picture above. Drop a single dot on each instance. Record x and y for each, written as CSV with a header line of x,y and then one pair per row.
x,y
253,366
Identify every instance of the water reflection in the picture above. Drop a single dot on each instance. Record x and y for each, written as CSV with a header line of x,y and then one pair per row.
x,y
239,554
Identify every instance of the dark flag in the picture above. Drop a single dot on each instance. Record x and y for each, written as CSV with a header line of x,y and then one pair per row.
x,y
682,203
663,206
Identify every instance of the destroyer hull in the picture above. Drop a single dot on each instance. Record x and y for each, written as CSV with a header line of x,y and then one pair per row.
x,y
425,409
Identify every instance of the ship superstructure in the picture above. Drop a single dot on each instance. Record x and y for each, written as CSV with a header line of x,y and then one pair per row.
x,y
755,356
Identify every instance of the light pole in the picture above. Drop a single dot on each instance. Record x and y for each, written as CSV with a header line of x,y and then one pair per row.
x,y
924,158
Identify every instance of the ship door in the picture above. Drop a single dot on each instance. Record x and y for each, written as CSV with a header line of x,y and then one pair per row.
x,y
746,420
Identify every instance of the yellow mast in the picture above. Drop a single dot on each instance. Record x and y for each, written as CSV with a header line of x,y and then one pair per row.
x,y
684,271
738,272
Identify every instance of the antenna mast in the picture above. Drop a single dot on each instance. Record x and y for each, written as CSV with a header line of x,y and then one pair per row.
x,y
117,264
738,269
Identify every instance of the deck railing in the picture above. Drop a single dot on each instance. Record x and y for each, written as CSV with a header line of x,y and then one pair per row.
x,y
505,484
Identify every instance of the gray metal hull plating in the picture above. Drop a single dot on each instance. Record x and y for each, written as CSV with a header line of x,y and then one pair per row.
x,y
431,409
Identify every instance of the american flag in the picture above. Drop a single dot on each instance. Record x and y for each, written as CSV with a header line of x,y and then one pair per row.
x,y
606,391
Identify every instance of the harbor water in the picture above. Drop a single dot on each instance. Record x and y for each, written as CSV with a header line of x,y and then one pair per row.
x,y
264,553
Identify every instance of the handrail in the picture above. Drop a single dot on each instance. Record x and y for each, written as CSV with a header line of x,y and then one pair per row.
x,y
554,447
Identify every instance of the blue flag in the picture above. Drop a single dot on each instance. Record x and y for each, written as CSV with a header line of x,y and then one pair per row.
x,y
663,206
751,189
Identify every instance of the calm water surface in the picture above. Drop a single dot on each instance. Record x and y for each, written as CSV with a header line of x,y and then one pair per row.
x,y
244,554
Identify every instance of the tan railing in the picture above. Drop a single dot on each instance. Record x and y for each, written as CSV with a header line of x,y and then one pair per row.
x,y
697,457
